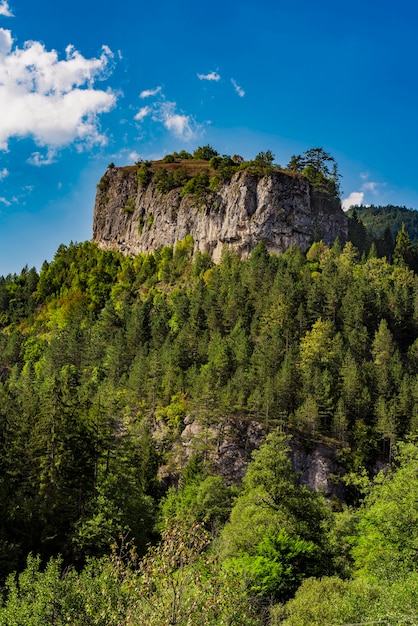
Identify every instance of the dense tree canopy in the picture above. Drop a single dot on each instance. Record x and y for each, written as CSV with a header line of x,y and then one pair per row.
x,y
106,361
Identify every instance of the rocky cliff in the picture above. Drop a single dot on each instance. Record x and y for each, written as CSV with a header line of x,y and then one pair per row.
x,y
279,209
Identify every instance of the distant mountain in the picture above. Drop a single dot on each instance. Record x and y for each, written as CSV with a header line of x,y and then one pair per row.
x,y
377,219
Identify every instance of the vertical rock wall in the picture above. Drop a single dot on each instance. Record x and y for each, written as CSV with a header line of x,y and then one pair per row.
x,y
280,209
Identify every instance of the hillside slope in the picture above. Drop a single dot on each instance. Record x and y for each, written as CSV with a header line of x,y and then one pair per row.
x,y
377,219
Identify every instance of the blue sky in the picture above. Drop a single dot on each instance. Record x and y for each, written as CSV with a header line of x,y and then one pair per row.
x,y
84,83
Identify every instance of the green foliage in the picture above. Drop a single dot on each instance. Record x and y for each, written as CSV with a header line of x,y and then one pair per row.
x,y
261,165
403,253
204,153
103,184
361,238
275,536
384,547
169,158
105,360
204,499
334,601
18,296
165,181
143,174
183,154
225,168
277,568
320,168
331,601
198,185
129,206
140,225
377,219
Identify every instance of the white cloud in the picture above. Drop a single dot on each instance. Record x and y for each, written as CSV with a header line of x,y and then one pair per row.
x,y
211,76
150,92
237,88
4,173
354,199
179,125
369,185
134,157
165,113
373,187
6,41
38,159
4,9
51,100
5,201
142,113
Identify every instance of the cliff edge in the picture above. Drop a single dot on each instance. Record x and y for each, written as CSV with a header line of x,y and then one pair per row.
x,y
279,209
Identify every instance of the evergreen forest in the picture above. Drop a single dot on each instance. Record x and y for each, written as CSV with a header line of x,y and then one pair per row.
x,y
108,518
380,219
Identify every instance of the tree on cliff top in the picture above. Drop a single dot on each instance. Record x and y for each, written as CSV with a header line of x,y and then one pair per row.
x,y
205,153
320,168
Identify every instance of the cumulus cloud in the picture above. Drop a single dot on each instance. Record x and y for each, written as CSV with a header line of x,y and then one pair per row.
x,y
180,125
6,41
4,173
52,100
211,76
150,92
354,199
165,113
237,88
4,9
5,201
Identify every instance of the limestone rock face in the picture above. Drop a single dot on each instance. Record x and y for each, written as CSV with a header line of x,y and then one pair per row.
x,y
280,210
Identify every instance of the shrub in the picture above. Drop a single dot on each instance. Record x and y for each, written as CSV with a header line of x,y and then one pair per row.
x,y
140,225
204,153
180,176
164,181
143,175
130,205
198,185
183,155
103,184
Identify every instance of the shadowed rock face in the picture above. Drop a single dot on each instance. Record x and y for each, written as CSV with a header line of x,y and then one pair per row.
x,y
280,210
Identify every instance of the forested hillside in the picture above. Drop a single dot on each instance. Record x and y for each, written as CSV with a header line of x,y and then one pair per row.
x,y
105,359
386,221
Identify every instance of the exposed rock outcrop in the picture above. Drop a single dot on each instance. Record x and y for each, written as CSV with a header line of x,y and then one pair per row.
x,y
280,210
227,448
